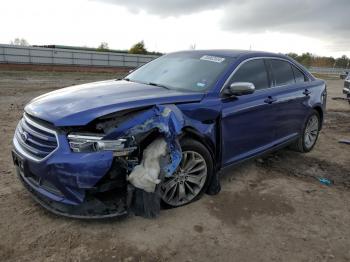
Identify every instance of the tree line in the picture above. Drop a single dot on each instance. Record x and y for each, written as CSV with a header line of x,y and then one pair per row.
x,y
138,48
308,59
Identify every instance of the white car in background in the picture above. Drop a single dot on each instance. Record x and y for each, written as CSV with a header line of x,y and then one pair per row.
x,y
344,75
346,89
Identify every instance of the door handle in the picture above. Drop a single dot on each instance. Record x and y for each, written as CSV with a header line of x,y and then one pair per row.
x,y
270,100
307,92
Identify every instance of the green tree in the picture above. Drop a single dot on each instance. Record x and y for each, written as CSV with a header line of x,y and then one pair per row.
x,y
293,55
103,47
305,59
308,59
342,62
138,48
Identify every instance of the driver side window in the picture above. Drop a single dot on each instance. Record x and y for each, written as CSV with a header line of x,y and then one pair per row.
x,y
253,71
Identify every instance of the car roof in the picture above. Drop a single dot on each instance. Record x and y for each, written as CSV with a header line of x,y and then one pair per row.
x,y
234,53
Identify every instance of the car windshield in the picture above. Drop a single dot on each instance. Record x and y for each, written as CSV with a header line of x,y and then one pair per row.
x,y
182,71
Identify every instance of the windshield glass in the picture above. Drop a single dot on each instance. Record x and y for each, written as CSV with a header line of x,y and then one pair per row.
x,y
182,71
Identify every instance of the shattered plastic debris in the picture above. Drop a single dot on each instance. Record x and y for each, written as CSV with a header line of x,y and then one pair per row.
x,y
345,141
146,204
146,175
214,187
341,98
325,181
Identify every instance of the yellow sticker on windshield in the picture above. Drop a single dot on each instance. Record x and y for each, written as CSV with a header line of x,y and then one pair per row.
x,y
214,59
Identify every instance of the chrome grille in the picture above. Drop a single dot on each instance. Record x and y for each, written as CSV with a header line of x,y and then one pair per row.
x,y
33,139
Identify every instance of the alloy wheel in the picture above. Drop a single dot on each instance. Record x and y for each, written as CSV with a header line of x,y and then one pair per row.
x,y
311,131
187,182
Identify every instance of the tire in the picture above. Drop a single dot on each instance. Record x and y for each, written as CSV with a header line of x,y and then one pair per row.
x,y
302,145
196,151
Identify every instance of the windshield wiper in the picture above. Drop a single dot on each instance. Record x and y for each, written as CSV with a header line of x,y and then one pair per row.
x,y
122,78
150,83
159,85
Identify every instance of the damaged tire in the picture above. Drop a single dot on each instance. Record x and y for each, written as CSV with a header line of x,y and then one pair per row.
x,y
191,178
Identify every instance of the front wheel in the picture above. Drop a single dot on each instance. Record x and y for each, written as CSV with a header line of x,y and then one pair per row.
x,y
192,176
311,130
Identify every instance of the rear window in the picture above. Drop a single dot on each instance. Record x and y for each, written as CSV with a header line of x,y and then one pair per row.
x,y
299,76
282,72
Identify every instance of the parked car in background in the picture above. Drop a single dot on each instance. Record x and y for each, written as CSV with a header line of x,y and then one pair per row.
x,y
75,148
344,75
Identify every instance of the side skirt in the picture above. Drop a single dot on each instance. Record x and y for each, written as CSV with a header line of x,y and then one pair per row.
x,y
263,153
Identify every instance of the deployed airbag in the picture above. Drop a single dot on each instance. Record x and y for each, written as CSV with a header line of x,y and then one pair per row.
x,y
146,175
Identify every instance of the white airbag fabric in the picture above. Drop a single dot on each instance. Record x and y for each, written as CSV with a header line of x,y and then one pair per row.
x,y
146,175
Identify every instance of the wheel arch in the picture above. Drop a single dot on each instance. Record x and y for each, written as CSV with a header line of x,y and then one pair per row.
x,y
191,133
187,133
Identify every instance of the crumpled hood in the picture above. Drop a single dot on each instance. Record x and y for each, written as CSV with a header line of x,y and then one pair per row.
x,y
79,105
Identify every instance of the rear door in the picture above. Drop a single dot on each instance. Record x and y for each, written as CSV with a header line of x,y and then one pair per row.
x,y
289,89
248,121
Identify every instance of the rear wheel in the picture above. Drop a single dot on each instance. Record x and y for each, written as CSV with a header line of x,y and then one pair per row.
x,y
192,176
311,130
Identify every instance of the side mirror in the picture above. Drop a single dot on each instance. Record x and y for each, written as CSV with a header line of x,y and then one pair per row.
x,y
240,89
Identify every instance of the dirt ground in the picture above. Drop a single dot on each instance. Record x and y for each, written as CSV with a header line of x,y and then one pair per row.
x,y
269,210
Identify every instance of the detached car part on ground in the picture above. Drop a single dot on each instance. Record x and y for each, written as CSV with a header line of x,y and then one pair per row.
x,y
163,133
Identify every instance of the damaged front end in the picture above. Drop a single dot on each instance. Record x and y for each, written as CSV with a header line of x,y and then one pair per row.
x,y
105,169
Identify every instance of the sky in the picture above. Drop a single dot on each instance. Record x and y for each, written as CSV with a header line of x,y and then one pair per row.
x,y
321,27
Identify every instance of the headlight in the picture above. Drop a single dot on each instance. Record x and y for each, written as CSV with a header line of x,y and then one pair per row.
x,y
93,143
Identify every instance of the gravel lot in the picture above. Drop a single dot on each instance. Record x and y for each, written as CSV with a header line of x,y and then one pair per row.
x,y
268,210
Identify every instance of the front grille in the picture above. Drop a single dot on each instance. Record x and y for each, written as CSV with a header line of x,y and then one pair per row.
x,y
34,139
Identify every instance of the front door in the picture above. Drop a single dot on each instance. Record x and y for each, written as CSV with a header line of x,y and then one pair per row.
x,y
248,121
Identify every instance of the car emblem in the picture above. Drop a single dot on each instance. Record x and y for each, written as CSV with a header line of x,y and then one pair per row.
x,y
24,136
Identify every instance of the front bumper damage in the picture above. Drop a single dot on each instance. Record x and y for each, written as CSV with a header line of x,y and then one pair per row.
x,y
95,185
90,208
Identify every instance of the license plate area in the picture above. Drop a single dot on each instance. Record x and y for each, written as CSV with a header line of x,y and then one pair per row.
x,y
18,161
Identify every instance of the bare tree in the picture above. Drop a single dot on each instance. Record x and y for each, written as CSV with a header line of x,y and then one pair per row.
x,y
19,41
103,47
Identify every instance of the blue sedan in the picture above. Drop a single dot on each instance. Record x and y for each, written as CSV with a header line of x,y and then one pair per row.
x,y
167,129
